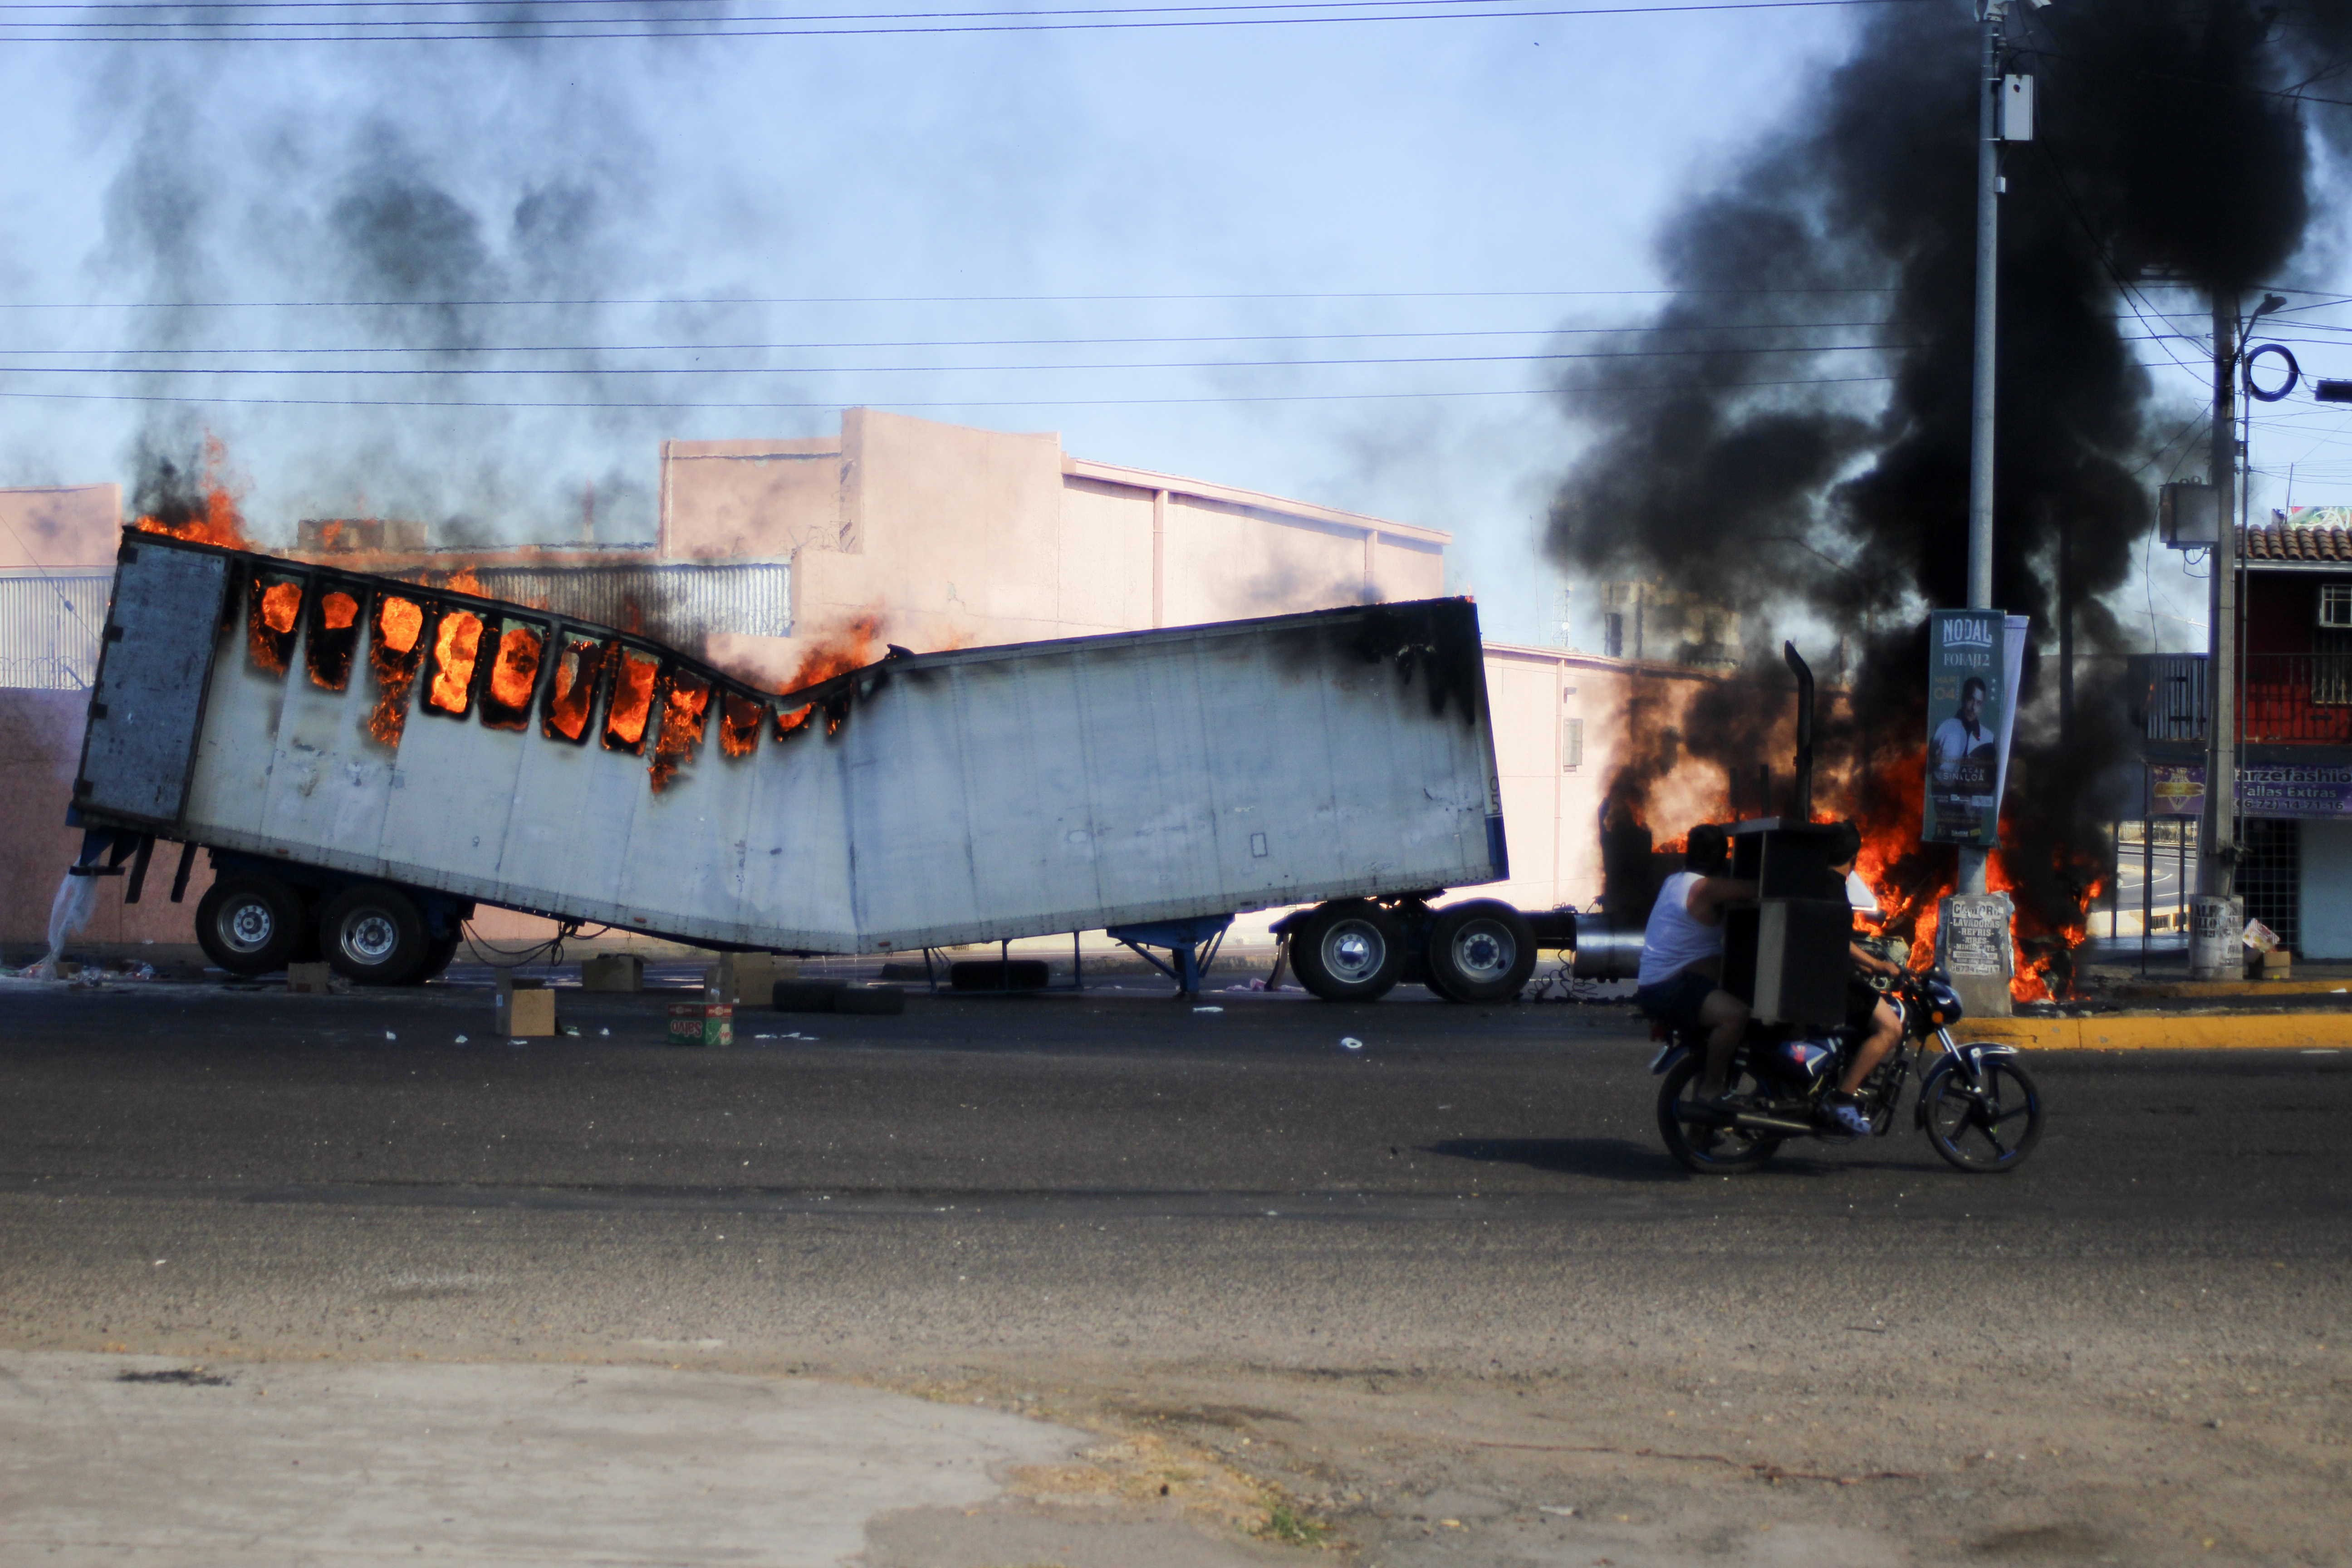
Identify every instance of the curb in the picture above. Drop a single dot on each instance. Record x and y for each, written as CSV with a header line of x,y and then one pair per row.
x,y
2168,1032
2193,988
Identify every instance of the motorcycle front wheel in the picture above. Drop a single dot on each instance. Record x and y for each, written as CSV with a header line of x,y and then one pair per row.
x,y
1986,1126
1733,1150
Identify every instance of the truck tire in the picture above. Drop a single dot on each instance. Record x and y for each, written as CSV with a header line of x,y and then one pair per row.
x,y
998,974
437,957
805,996
373,935
1480,952
870,1001
250,925
1350,950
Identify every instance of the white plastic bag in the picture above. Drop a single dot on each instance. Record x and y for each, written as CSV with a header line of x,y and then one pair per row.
x,y
71,910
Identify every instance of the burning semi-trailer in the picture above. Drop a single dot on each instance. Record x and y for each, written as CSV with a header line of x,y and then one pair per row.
x,y
366,759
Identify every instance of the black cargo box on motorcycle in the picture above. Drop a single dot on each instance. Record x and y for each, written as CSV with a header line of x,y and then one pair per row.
x,y
1785,954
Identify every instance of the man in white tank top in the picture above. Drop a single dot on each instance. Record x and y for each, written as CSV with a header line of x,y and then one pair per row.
x,y
1682,952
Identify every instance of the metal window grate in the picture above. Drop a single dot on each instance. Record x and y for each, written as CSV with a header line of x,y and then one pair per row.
x,y
2335,603
1571,744
2270,875
49,623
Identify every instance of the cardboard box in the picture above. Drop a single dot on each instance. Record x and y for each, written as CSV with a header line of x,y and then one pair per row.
x,y
526,1009
613,972
312,979
701,1022
746,977
2278,964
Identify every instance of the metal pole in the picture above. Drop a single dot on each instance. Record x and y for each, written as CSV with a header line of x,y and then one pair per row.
x,y
1980,431
2218,850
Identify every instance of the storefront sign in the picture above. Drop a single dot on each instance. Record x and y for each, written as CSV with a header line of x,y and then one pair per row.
x,y
1973,660
2296,789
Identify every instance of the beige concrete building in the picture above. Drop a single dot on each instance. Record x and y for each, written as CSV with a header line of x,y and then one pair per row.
x,y
906,530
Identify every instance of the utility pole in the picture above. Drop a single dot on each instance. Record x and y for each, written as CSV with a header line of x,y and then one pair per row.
x,y
1992,14
2213,949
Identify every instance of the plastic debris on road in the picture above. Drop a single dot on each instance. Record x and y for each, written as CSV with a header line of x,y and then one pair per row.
x,y
390,1035
1208,1009
461,1039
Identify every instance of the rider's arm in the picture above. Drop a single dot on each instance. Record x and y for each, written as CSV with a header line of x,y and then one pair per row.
x,y
1709,894
1865,959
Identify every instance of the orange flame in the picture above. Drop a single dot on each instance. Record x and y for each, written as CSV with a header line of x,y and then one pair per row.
x,y
514,674
633,696
398,624
739,724
456,645
788,721
837,652
213,518
339,610
575,687
463,581
684,709
269,624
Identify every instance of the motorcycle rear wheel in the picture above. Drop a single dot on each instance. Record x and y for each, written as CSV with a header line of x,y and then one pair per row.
x,y
1734,1152
1984,1130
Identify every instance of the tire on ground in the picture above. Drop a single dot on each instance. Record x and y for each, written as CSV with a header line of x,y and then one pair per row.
x,y
1349,949
805,995
871,1001
438,956
250,925
1483,950
998,974
373,935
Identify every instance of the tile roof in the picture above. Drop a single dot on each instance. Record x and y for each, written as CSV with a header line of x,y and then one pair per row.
x,y
2317,541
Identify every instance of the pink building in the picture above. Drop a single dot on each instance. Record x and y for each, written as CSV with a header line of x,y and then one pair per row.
x,y
786,554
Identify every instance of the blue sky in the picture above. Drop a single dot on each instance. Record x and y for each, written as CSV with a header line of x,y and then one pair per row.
x,y
1275,193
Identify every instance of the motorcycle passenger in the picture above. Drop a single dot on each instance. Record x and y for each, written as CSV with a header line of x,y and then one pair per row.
x,y
1866,1011
1678,985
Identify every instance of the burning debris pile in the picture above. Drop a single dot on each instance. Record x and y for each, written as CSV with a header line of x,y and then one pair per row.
x,y
1804,448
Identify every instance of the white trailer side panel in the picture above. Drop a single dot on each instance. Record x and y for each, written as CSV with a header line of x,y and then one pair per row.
x,y
938,799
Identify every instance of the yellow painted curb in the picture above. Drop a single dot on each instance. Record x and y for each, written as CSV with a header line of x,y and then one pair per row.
x,y
2168,1032
2184,988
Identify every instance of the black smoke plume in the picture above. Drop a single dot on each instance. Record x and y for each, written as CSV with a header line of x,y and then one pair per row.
x,y
1794,435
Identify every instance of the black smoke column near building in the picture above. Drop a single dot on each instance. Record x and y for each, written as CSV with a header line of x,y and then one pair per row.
x,y
1806,444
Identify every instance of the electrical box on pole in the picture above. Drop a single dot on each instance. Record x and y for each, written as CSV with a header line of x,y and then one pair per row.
x,y
2187,515
2017,109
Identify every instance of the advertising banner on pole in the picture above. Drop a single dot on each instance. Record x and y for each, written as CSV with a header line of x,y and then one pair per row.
x,y
2292,789
1974,659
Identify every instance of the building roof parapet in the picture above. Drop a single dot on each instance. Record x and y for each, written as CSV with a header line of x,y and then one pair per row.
x,y
1258,500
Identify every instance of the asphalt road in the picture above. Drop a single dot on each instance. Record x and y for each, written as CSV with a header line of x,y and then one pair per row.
x,y
1116,1209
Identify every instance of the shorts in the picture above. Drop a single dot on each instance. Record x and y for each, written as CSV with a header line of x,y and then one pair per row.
x,y
1862,1000
1676,1000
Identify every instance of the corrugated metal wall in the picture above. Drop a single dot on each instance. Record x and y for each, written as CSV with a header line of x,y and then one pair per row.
x,y
675,604
49,623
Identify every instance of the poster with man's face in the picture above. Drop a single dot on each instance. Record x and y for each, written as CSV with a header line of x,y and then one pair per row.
x,y
1970,675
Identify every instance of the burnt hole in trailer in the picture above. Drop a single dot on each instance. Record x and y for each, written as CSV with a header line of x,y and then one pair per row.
x,y
397,650
791,721
632,701
739,723
273,607
572,695
514,676
333,640
456,651
1434,641
685,714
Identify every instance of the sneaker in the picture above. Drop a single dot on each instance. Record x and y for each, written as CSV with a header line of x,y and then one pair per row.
x,y
1849,1116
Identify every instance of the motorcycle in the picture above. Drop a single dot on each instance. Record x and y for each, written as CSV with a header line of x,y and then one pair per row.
x,y
1980,1108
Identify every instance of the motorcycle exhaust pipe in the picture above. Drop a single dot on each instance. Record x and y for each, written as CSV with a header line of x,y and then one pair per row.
x,y
1745,1121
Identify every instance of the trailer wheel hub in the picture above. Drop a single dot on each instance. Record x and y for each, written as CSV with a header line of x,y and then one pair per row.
x,y
1352,951
249,925
1482,952
371,937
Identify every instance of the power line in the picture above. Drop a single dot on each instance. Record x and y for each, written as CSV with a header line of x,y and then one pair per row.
x,y
929,22
944,403
919,300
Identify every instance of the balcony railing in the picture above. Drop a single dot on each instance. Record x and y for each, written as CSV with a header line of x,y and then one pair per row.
x,y
2288,697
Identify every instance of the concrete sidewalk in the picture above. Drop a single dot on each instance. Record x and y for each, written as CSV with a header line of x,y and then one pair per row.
x,y
135,1459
